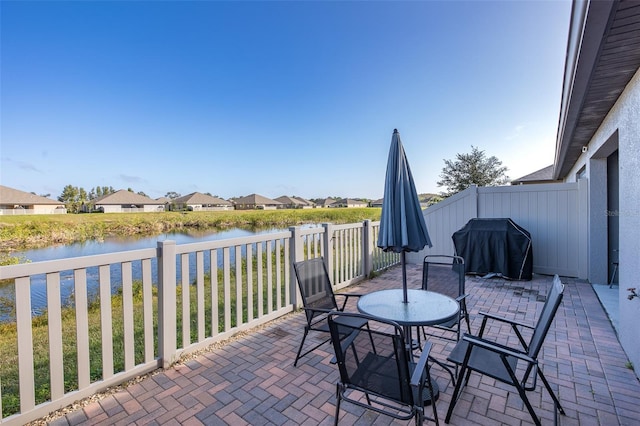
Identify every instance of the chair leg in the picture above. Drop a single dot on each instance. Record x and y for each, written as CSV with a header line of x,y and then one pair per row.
x,y
433,399
295,363
456,393
523,395
553,395
338,399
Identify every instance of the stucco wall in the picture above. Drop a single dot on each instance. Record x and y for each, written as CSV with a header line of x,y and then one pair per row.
x,y
622,124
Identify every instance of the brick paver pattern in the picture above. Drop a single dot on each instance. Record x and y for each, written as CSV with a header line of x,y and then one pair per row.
x,y
252,380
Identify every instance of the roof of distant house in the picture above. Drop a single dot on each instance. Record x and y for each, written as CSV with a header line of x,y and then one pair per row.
x,y
305,201
539,176
15,196
327,201
199,198
256,200
349,201
125,197
291,201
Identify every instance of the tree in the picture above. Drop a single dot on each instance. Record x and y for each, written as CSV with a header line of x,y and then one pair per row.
x,y
172,195
73,198
469,169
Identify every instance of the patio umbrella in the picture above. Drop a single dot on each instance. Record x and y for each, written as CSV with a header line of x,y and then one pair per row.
x,y
402,226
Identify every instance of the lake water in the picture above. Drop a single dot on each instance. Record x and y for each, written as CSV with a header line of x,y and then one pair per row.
x,y
109,245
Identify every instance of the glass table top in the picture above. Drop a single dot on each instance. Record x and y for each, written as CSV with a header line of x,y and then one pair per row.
x,y
423,307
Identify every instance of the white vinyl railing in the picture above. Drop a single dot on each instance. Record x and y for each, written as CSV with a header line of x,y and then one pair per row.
x,y
133,312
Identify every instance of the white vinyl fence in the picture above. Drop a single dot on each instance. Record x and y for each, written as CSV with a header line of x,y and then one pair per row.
x,y
135,311
555,215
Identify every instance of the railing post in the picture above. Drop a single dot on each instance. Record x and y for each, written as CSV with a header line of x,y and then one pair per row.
x,y
367,248
297,255
328,249
167,302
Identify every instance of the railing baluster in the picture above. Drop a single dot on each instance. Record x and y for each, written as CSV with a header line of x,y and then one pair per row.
x,y
278,274
226,283
200,293
186,300
287,273
25,343
238,268
249,273
82,327
269,278
260,279
147,306
215,304
127,308
54,317
106,321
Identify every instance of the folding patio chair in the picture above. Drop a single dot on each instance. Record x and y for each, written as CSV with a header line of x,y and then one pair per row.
x,y
445,274
318,300
377,364
500,362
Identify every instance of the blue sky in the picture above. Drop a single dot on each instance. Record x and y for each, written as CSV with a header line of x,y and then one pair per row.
x,y
274,98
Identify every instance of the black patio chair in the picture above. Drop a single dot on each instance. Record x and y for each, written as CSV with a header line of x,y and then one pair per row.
x,y
378,365
500,362
445,274
318,300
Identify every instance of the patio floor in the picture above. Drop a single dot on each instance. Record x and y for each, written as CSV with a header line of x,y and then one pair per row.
x,y
252,380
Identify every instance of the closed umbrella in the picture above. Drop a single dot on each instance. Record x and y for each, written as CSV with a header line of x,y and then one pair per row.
x,y
402,226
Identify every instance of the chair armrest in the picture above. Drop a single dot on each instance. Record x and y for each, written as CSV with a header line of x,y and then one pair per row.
x,y
347,341
502,319
416,377
461,298
346,298
497,348
321,310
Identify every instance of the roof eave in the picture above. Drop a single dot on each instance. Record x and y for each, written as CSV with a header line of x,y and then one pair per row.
x,y
590,21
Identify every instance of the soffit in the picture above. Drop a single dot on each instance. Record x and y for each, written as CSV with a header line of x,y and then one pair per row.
x,y
616,62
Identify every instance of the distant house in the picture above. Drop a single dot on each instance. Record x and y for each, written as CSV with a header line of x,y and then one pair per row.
x,y
309,204
544,175
294,203
14,201
163,200
124,201
200,202
326,202
256,202
377,203
348,202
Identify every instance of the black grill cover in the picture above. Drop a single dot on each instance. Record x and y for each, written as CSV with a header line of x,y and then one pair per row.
x,y
497,246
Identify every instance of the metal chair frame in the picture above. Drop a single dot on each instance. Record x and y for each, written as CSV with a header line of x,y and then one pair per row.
x,y
391,383
318,299
476,353
454,262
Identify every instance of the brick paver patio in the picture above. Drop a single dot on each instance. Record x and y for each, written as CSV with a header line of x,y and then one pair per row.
x,y
251,380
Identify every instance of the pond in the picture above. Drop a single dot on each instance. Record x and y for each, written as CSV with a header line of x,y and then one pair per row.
x,y
109,245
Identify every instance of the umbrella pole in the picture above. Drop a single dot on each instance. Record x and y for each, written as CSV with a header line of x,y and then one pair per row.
x,y
404,277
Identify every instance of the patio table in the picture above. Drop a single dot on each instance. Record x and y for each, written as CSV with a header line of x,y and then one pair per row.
x,y
423,308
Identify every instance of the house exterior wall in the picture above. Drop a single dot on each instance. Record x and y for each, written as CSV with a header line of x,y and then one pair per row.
x,y
151,208
621,125
107,208
32,209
